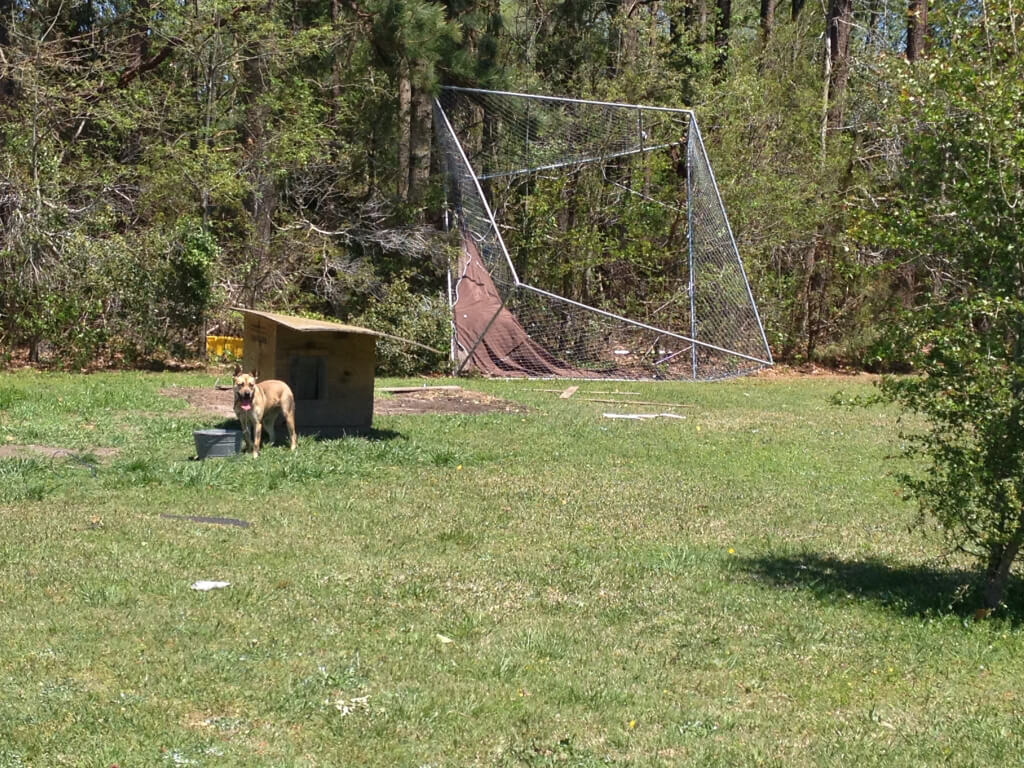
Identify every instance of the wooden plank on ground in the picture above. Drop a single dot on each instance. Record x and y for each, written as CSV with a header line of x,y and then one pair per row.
x,y
567,393
591,392
638,402
401,390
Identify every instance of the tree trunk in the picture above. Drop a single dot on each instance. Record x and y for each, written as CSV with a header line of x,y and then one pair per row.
x,y
404,129
798,5
139,42
420,127
336,77
723,23
806,303
872,37
826,82
614,52
837,33
997,574
489,44
695,17
262,199
623,37
767,19
8,85
917,26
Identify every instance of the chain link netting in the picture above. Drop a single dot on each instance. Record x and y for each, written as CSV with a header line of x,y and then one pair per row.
x,y
594,242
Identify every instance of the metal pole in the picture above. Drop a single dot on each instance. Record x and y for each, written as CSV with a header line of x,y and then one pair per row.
x,y
575,161
691,282
614,104
638,324
480,192
480,338
732,240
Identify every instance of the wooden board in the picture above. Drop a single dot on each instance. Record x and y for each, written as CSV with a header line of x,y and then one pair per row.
x,y
401,390
638,402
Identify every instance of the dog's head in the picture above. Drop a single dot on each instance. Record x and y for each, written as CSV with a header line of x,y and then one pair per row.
x,y
245,388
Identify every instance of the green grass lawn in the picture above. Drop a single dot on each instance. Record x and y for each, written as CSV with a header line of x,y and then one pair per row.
x,y
736,588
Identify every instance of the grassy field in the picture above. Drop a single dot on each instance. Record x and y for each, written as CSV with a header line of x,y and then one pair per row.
x,y
550,587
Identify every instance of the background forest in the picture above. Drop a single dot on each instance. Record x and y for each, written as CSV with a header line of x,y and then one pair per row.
x,y
165,160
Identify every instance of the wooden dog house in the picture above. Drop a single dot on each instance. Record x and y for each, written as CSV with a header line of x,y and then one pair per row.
x,y
329,367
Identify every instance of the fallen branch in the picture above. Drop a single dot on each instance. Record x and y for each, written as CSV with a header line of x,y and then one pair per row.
x,y
638,402
401,390
592,392
642,416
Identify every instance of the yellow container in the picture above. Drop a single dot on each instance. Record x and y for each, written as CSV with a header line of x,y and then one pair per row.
x,y
224,345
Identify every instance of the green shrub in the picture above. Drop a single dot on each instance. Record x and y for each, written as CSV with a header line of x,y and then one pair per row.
x,y
424,319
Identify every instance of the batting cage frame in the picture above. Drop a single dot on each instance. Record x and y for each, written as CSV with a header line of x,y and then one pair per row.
x,y
559,209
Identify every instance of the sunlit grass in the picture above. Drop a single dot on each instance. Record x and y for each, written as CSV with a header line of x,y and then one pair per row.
x,y
738,587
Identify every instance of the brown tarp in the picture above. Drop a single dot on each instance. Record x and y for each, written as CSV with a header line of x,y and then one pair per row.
x,y
506,349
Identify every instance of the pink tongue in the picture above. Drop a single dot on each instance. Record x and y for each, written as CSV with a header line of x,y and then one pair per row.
x,y
246,406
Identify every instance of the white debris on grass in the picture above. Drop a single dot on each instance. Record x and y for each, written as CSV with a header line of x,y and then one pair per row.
x,y
178,759
348,706
641,416
206,586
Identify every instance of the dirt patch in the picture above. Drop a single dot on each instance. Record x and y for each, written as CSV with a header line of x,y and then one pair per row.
x,y
443,401
50,452
218,402
782,371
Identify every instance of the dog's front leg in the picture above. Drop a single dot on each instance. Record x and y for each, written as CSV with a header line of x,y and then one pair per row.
x,y
246,437
257,433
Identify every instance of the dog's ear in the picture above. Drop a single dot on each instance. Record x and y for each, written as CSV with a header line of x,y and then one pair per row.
x,y
255,373
238,369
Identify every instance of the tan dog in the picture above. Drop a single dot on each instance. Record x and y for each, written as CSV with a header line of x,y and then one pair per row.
x,y
257,407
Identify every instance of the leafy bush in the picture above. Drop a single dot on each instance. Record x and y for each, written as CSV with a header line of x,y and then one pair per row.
x,y
103,297
970,357
952,207
187,283
424,319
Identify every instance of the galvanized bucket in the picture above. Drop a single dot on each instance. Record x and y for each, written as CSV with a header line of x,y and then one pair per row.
x,y
217,443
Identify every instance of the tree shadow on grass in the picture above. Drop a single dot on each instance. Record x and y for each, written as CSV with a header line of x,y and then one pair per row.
x,y
913,590
372,435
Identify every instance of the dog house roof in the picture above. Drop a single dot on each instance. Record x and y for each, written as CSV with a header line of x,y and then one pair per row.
x,y
307,324
326,326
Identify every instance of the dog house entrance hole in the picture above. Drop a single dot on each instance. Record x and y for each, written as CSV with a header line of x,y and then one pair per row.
x,y
308,374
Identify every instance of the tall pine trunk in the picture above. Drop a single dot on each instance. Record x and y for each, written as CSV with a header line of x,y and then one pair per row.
x,y
767,19
723,25
261,202
420,133
837,34
334,108
917,26
695,17
404,129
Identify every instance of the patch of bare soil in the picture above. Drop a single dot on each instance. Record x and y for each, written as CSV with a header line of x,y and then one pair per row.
x,y
217,402
443,401
447,401
49,452
781,371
